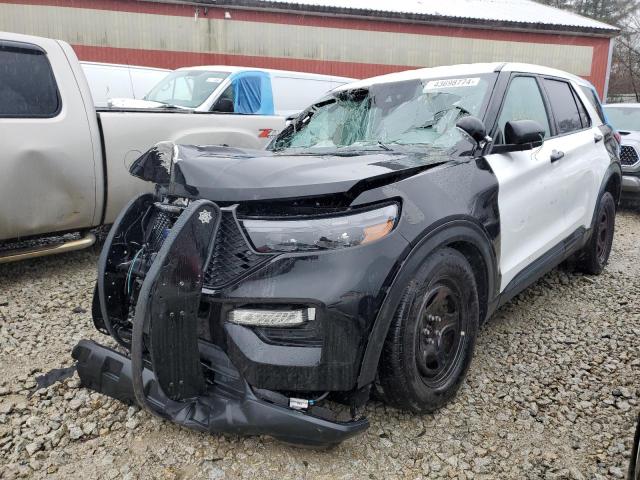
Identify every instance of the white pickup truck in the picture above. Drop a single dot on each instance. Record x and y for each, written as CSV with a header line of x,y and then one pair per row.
x,y
64,163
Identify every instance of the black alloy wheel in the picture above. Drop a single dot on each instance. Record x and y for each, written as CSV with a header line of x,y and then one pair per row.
x,y
440,333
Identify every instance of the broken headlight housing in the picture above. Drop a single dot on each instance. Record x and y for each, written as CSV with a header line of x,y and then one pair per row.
x,y
321,233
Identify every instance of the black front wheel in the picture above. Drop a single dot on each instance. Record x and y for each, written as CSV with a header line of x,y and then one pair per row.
x,y
431,339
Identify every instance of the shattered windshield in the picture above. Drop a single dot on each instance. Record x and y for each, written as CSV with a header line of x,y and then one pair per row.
x,y
412,112
186,88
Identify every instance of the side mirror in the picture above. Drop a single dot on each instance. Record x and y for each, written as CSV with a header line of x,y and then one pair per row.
x,y
473,128
519,132
223,105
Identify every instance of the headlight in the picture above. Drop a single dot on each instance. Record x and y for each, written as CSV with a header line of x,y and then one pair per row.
x,y
321,233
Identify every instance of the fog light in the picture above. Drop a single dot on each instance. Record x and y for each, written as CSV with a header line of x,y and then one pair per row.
x,y
271,318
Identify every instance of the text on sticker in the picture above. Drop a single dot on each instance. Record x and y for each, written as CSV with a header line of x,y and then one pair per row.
x,y
451,83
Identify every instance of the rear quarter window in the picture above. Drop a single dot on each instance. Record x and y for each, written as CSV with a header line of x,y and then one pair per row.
x,y
595,103
27,85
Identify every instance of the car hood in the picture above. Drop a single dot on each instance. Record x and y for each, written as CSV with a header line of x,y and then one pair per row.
x,y
630,137
233,175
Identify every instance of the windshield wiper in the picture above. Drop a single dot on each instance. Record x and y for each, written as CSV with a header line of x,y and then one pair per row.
x,y
384,147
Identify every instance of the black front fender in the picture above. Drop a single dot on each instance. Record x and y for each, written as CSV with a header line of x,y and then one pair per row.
x,y
458,231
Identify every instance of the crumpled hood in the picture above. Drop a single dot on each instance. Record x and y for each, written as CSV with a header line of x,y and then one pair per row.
x,y
232,174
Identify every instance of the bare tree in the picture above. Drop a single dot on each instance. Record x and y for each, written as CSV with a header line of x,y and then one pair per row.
x,y
625,65
613,12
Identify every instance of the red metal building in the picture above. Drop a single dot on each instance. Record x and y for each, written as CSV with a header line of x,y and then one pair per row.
x,y
355,38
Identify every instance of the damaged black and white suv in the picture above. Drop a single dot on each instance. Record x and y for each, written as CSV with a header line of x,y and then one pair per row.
x,y
360,252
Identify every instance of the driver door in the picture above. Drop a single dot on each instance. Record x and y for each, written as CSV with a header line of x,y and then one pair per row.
x,y
530,190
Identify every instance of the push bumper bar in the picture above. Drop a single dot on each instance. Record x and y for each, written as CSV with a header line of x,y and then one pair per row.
x,y
228,406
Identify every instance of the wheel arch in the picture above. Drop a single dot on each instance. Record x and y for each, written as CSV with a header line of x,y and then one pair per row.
x,y
613,182
463,235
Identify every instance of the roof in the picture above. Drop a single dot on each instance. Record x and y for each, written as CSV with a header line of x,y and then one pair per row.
x,y
234,69
509,14
122,65
462,69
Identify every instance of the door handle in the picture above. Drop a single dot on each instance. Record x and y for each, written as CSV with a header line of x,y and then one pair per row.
x,y
556,155
597,137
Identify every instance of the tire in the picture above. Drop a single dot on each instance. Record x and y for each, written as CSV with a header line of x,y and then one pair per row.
x,y
421,367
595,254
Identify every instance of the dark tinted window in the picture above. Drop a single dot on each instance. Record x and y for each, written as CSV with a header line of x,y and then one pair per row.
x,y
595,102
27,85
564,106
584,116
523,101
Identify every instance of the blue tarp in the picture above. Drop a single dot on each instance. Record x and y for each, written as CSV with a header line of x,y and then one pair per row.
x,y
252,93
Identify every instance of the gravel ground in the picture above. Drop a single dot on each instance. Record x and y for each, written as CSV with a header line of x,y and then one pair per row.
x,y
552,393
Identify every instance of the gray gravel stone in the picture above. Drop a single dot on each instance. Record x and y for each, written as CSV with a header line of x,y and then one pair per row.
x,y
552,393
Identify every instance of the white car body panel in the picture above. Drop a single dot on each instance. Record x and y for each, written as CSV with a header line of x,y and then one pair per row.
x,y
51,166
542,203
107,81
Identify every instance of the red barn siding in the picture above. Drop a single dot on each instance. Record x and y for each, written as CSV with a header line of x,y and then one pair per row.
x,y
174,59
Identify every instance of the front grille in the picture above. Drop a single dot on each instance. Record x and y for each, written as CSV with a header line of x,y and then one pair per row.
x,y
628,155
232,258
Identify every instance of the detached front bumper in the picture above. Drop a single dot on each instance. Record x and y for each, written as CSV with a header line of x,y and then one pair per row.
x,y
228,406
149,298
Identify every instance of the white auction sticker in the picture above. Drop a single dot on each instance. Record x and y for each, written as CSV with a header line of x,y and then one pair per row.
x,y
451,83
213,80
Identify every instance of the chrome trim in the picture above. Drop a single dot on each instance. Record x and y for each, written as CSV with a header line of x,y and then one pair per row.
x,y
25,253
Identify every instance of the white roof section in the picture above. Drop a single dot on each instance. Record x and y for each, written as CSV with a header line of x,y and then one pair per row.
x,y
286,73
513,11
123,65
469,69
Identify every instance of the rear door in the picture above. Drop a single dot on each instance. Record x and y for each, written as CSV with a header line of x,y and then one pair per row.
x,y
581,153
530,195
48,178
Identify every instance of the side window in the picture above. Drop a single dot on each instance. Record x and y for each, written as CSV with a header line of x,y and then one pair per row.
x,y
225,101
27,85
248,91
595,103
523,101
563,105
249,94
584,116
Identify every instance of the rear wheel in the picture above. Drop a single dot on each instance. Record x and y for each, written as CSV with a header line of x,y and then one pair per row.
x,y
431,339
595,254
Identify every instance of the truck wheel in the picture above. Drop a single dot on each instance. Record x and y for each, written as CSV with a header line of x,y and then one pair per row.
x,y
430,342
595,254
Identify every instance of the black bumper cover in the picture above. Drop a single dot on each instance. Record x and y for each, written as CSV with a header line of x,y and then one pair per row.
x,y
228,406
